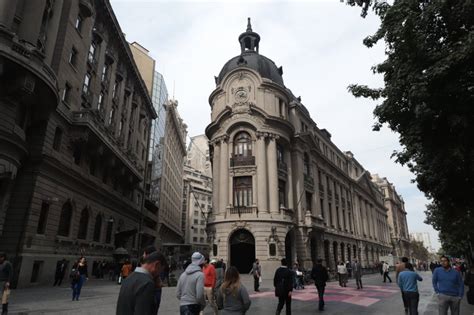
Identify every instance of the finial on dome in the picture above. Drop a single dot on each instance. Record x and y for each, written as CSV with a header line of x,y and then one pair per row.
x,y
249,40
249,25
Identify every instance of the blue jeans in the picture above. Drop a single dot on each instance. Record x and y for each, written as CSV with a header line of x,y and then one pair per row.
x,y
76,287
192,309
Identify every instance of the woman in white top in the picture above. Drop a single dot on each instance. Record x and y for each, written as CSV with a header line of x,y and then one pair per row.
x,y
342,271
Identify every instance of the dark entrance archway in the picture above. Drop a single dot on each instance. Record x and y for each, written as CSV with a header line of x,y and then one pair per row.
x,y
242,250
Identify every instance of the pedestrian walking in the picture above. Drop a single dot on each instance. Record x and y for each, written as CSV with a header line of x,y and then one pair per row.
x,y
349,269
357,272
79,276
386,270
407,281
469,282
448,284
232,297
401,266
342,272
6,275
137,293
320,275
257,273
283,283
209,283
190,288
156,277
61,266
224,266
298,277
219,273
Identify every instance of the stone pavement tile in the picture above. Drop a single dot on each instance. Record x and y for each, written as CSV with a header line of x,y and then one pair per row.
x,y
362,301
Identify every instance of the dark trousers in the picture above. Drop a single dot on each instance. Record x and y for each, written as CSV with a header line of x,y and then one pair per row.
x,y
320,288
386,276
412,299
358,282
256,283
282,300
405,301
158,299
192,309
58,280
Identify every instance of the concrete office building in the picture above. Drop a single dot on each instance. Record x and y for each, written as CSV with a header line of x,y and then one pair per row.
x,y
74,129
281,187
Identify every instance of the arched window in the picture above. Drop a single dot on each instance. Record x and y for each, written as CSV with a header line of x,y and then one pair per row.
x,y
108,233
97,228
306,166
242,145
83,223
65,220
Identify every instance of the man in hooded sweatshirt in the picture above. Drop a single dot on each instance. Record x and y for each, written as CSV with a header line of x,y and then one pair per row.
x,y
190,288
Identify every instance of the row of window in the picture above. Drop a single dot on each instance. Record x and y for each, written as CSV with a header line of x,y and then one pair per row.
x,y
65,223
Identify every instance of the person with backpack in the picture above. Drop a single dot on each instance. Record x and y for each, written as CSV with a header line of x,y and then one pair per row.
x,y
232,296
320,275
79,275
283,283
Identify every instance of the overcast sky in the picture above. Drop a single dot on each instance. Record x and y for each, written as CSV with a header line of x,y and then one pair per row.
x,y
319,45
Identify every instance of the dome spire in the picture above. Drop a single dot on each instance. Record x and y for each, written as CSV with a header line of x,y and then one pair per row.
x,y
249,40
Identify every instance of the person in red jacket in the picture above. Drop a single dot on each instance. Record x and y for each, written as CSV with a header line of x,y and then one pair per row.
x,y
209,283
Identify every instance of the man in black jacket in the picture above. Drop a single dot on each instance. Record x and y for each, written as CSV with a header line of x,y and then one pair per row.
x,y
283,283
137,294
320,276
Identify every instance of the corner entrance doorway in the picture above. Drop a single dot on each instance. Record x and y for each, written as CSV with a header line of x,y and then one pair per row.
x,y
242,250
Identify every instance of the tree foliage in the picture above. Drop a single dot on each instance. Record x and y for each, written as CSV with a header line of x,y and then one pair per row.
x,y
419,251
428,99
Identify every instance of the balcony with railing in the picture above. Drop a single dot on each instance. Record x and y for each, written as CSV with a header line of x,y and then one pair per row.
x,y
308,181
238,160
242,210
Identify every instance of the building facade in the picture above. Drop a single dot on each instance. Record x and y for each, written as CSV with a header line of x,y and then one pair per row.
x,y
171,181
425,238
397,217
74,129
197,193
281,187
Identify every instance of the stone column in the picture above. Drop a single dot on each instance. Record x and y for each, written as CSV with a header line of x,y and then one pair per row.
x,y
272,175
224,177
289,184
31,23
7,12
261,153
215,177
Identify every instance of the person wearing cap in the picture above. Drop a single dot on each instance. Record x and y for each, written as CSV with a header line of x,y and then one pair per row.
x,y
157,279
190,288
137,293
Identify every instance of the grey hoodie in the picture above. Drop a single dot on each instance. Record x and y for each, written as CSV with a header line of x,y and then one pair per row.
x,y
190,289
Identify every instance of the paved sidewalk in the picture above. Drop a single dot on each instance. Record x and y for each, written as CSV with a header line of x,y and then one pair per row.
x,y
100,297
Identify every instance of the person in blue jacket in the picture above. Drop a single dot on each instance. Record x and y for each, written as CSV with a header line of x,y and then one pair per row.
x,y
407,281
448,284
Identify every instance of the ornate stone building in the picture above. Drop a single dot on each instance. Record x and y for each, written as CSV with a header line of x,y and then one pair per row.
x,y
397,216
281,187
75,117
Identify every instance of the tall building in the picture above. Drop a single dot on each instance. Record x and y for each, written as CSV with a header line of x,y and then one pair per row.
x,y
197,194
281,187
397,216
75,123
157,89
171,181
425,238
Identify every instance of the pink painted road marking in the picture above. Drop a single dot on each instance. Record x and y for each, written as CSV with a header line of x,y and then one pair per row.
x,y
364,301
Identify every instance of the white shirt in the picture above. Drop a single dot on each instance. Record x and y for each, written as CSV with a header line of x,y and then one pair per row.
x,y
341,269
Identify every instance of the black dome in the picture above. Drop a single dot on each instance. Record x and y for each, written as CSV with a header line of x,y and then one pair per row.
x,y
253,60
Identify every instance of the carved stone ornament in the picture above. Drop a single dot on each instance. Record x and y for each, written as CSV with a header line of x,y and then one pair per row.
x,y
241,96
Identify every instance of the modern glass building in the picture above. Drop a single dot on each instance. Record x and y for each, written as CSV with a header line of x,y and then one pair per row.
x,y
159,96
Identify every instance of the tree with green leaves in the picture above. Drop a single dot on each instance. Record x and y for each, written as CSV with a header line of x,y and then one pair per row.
x,y
428,99
419,251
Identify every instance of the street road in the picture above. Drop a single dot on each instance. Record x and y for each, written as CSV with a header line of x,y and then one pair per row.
x,y
100,296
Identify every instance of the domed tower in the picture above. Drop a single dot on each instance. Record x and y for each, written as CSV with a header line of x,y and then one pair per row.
x,y
250,137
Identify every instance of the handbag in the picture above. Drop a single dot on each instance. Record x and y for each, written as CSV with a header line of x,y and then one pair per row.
x,y
5,295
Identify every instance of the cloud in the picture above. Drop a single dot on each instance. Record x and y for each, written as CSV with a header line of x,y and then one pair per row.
x,y
319,45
